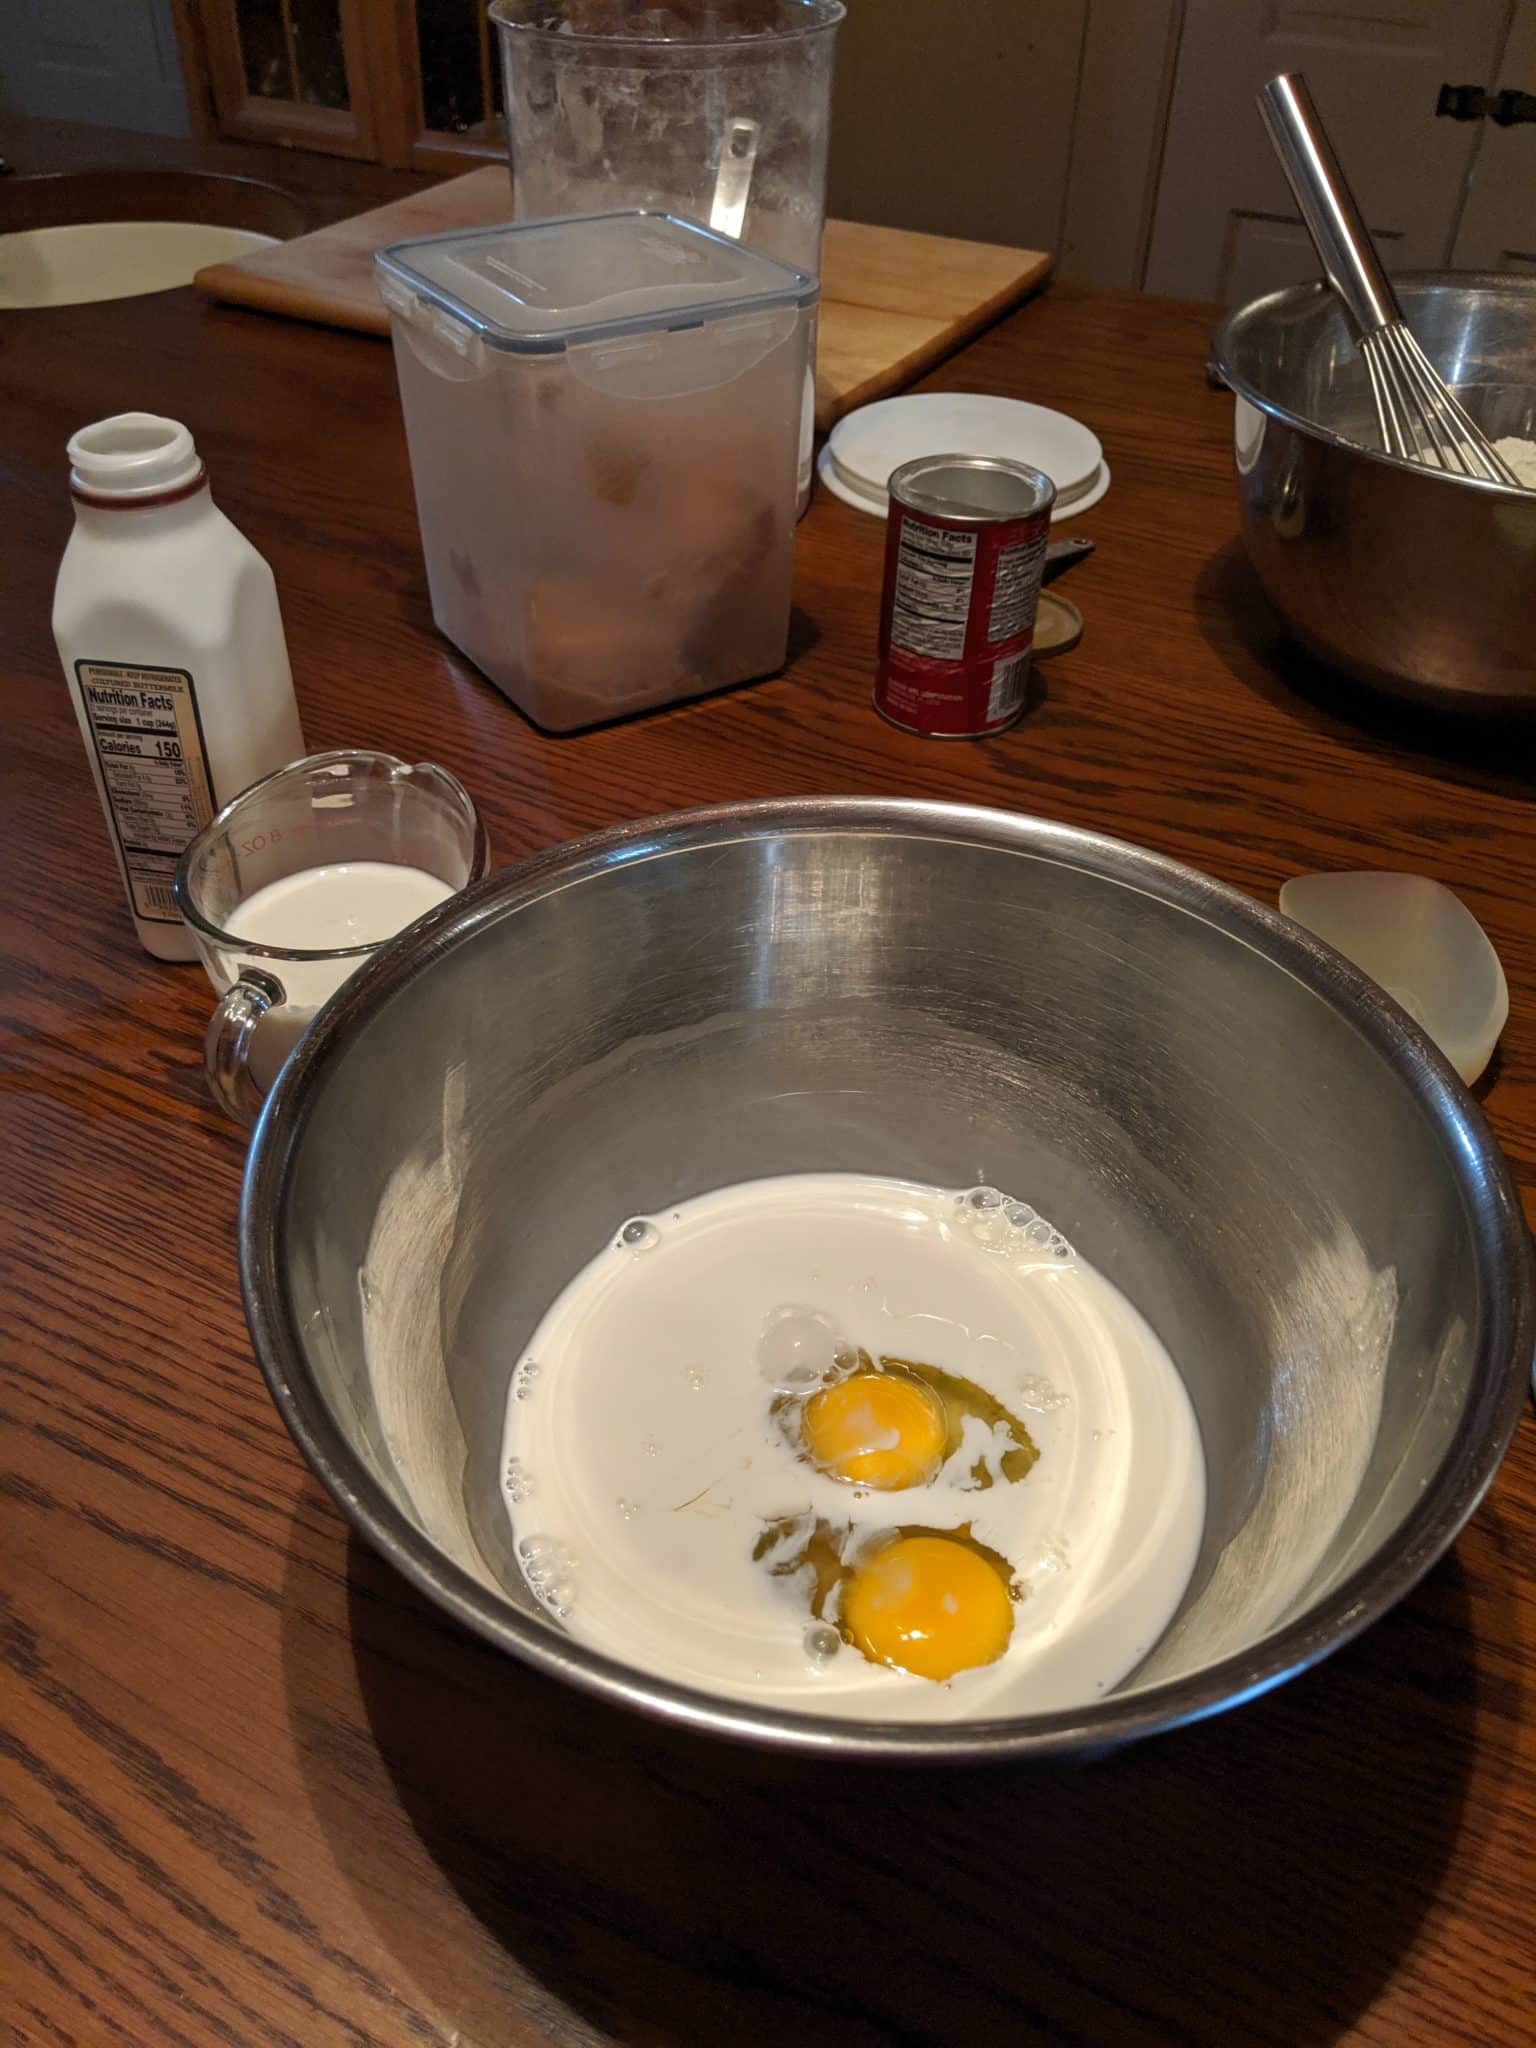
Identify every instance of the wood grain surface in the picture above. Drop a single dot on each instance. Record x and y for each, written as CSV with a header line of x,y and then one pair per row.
x,y
892,303
255,1790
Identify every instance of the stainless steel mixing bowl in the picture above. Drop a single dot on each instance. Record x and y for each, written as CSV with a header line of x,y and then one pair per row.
x,y
1417,583
1222,1114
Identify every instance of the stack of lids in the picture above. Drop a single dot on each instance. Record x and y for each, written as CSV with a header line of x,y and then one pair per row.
x,y
867,445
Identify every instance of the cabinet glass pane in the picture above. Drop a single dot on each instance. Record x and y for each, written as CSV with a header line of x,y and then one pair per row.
x,y
292,50
318,53
264,47
452,82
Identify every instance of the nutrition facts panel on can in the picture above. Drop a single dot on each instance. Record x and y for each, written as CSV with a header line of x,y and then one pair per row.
x,y
1015,588
935,569
148,741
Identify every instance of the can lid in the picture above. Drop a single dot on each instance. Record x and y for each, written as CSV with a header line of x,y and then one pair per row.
x,y
1058,625
866,445
541,286
975,487
132,455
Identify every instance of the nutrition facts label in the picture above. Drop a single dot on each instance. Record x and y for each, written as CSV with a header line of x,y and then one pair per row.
x,y
1015,587
934,573
154,769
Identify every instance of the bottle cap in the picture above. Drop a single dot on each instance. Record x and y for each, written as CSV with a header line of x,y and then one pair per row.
x,y
133,455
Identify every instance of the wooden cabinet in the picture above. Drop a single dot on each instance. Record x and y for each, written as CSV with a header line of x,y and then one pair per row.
x,y
415,84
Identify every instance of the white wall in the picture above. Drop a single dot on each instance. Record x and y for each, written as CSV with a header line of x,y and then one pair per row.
x,y
112,62
956,116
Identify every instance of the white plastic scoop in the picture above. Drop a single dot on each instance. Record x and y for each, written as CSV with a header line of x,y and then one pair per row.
x,y
1422,945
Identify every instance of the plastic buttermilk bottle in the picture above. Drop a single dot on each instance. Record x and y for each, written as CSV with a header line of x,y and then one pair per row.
x,y
168,627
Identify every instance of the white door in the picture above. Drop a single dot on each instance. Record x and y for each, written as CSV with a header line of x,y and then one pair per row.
x,y
1498,223
1225,226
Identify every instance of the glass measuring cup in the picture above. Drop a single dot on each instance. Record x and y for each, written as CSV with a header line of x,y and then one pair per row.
x,y
349,846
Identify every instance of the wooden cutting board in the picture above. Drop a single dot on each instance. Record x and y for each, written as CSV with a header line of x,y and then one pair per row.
x,y
892,302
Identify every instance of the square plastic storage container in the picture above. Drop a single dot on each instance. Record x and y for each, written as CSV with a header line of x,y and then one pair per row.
x,y
604,422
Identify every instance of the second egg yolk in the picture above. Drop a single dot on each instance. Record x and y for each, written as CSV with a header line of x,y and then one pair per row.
x,y
875,1429
928,1605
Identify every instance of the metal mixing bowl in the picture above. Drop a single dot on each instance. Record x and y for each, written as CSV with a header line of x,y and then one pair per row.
x,y
1417,583
1223,1115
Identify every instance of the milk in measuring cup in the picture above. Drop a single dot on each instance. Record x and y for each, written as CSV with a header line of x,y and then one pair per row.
x,y
319,910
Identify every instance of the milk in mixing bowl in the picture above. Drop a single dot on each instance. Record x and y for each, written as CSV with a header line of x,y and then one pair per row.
x,y
858,1446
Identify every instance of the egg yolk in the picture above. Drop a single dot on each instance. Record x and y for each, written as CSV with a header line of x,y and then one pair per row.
x,y
877,1430
928,1605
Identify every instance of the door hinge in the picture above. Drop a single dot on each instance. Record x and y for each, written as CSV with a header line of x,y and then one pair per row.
x,y
1472,103
1510,107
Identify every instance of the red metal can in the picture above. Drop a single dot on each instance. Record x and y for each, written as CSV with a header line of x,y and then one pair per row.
x,y
964,555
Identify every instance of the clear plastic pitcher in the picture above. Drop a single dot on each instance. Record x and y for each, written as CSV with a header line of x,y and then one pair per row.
x,y
714,109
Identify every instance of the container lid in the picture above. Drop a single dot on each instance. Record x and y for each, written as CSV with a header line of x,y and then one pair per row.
x,y
868,444
542,285
1419,942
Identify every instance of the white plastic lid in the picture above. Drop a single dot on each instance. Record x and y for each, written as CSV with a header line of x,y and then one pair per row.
x,y
1422,945
868,444
132,455
541,285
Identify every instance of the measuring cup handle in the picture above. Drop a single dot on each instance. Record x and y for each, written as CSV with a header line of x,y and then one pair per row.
x,y
227,1042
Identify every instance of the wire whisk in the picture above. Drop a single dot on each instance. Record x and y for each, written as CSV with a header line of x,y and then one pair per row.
x,y
1419,418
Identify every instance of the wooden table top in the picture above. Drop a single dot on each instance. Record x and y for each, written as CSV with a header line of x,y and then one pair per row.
x,y
256,1790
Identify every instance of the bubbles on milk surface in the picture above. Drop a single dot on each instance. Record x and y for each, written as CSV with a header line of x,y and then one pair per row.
x,y
800,1348
999,1224
550,1568
823,1434
822,1643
